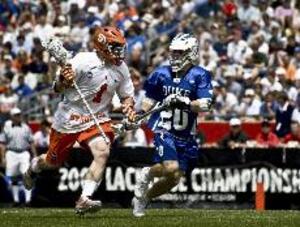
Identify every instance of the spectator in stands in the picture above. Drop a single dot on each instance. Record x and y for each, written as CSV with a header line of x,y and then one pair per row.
x,y
20,45
286,62
208,8
139,93
271,82
37,64
23,89
41,137
285,114
43,29
247,12
8,101
266,138
293,138
226,102
7,70
229,8
21,61
250,106
137,59
236,137
238,48
208,52
269,106
283,12
232,85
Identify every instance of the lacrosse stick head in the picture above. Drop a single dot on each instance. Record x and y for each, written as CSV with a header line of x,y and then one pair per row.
x,y
55,48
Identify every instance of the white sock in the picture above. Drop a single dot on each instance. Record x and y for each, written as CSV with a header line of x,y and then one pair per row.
x,y
27,195
89,187
15,193
35,166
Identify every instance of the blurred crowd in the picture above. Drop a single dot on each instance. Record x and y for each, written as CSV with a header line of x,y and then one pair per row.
x,y
252,48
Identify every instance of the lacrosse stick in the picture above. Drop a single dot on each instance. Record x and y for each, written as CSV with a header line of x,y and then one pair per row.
x,y
126,125
153,110
55,48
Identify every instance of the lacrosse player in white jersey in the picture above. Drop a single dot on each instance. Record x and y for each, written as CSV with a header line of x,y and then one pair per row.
x,y
99,75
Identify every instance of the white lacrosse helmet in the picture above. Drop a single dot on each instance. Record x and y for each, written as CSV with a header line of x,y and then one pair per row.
x,y
183,51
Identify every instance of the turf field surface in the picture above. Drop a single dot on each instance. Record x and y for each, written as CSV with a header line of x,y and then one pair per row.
x,y
155,217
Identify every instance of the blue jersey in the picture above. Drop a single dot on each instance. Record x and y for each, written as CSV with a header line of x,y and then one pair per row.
x,y
196,84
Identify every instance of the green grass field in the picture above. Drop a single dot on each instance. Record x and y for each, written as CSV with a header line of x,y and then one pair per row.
x,y
155,217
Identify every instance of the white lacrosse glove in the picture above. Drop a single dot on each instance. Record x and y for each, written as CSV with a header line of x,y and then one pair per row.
x,y
205,104
177,101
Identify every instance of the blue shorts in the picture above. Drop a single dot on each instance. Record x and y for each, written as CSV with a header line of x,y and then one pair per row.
x,y
170,148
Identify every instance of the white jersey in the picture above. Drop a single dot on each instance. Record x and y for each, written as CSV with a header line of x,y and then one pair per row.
x,y
98,83
18,138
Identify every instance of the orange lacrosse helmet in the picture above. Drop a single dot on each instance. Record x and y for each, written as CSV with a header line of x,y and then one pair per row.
x,y
110,43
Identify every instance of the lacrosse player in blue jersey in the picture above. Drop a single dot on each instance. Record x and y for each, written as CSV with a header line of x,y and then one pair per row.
x,y
186,90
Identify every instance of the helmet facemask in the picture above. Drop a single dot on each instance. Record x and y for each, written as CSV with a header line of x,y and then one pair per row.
x,y
178,59
117,51
183,51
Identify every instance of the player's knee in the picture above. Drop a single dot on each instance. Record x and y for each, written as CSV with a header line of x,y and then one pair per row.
x,y
171,168
100,151
172,173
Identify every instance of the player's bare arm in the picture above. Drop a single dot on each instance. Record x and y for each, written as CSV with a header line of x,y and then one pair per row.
x,y
127,108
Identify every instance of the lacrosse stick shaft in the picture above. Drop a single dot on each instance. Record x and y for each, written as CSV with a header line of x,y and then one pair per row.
x,y
127,124
153,110
91,113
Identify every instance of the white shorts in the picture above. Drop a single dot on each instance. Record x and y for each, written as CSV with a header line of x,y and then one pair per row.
x,y
17,163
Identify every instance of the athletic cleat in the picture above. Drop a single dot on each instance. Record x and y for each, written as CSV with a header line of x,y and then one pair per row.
x,y
139,206
142,183
29,179
86,205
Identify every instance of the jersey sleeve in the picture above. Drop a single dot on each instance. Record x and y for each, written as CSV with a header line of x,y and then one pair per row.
x,y
153,86
204,86
126,88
